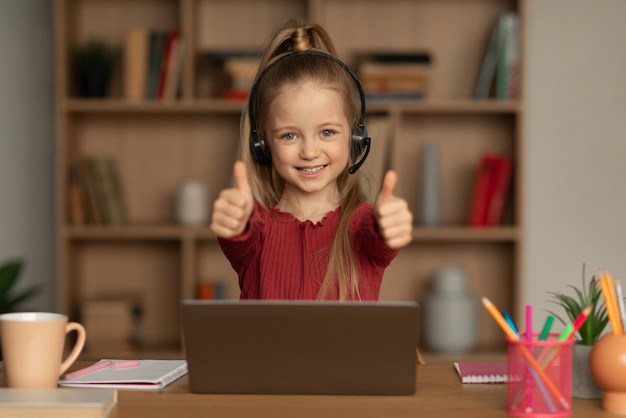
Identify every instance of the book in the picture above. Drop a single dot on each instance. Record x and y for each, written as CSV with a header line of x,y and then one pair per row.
x,y
480,194
156,49
507,81
499,189
76,197
88,184
482,371
148,375
491,186
167,60
174,69
135,64
489,65
57,403
108,190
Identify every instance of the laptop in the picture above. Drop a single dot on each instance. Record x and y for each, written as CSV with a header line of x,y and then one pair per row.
x,y
296,347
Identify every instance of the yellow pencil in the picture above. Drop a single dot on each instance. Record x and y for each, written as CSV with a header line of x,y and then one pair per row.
x,y
497,316
608,301
614,306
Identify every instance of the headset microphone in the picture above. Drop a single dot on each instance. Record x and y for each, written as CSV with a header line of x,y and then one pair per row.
x,y
366,143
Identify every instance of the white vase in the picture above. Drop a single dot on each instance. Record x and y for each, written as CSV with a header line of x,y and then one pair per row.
x,y
583,385
450,313
192,203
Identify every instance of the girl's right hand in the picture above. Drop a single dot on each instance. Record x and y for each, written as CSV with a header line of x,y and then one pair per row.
x,y
233,207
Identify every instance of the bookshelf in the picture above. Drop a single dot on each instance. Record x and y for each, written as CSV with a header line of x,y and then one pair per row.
x,y
158,144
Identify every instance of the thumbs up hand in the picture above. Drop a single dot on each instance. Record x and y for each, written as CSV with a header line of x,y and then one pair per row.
x,y
395,220
233,207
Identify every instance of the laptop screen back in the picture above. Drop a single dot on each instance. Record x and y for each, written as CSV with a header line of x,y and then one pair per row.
x,y
285,347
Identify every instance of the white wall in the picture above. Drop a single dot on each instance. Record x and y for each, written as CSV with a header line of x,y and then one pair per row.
x,y
575,203
27,142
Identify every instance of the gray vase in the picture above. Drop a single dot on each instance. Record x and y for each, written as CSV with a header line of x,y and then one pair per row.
x,y
583,385
450,313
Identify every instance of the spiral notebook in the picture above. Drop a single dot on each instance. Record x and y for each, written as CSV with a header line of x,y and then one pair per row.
x,y
482,371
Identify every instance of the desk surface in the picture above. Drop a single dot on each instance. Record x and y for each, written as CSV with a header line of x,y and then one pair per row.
x,y
439,393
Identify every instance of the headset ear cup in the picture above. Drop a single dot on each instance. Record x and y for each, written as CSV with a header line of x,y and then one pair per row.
x,y
358,143
258,149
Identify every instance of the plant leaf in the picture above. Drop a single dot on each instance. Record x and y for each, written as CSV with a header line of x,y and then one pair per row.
x,y
13,302
9,274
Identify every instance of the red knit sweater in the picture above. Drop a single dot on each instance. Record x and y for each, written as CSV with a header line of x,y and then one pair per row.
x,y
280,257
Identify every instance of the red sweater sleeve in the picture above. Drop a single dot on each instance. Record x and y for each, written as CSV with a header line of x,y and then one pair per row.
x,y
367,241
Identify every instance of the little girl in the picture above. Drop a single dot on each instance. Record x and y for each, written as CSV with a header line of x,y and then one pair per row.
x,y
297,225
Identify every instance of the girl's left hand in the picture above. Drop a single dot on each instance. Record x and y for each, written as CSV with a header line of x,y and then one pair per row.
x,y
395,220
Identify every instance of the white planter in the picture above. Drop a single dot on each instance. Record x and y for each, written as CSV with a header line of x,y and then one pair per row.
x,y
583,385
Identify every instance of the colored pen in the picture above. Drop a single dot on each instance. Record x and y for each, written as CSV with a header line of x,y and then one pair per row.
x,y
497,316
545,331
125,364
509,320
90,369
529,338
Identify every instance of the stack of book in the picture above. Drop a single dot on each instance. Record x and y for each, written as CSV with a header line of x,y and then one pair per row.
x,y
110,324
95,192
238,68
394,75
153,63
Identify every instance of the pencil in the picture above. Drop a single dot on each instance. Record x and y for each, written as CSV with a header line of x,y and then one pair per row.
x,y
493,311
611,292
620,303
608,302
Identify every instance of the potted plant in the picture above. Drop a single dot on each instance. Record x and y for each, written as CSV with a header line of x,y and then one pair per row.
x,y
93,66
592,329
10,299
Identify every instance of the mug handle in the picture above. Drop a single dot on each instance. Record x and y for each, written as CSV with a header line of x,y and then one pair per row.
x,y
78,346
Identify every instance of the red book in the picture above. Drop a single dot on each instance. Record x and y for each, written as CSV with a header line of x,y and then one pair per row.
x,y
482,372
172,38
482,190
500,183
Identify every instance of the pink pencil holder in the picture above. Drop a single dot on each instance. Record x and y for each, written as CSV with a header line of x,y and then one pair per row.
x,y
539,377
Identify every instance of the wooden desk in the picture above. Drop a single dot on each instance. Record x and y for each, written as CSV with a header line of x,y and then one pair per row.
x,y
439,394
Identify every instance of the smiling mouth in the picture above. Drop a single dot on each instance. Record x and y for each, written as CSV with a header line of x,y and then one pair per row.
x,y
311,170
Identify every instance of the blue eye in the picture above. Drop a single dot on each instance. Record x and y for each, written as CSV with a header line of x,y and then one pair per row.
x,y
289,136
328,133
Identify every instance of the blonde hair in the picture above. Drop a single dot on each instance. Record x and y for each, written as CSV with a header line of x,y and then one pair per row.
x,y
341,279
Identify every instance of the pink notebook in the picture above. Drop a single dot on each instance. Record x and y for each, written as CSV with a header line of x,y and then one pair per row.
x,y
482,371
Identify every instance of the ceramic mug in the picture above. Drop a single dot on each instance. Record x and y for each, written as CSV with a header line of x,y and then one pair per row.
x,y
32,347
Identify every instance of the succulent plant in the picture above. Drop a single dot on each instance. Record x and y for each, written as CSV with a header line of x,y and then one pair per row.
x,y
588,294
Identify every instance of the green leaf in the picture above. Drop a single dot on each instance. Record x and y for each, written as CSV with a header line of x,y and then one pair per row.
x,y
9,274
588,294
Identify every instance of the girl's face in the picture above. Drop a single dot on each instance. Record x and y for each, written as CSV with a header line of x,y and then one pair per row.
x,y
309,140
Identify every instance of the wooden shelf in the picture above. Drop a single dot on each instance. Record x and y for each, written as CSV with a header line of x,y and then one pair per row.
x,y
159,144
213,106
175,232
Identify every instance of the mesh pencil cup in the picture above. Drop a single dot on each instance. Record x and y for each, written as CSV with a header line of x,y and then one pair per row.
x,y
539,377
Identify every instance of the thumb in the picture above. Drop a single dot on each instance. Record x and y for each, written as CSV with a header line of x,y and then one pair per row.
x,y
241,178
389,185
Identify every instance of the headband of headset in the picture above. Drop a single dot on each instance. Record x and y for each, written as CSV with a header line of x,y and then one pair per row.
x,y
257,143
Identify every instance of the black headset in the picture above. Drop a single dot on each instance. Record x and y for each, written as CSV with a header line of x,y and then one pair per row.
x,y
361,141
